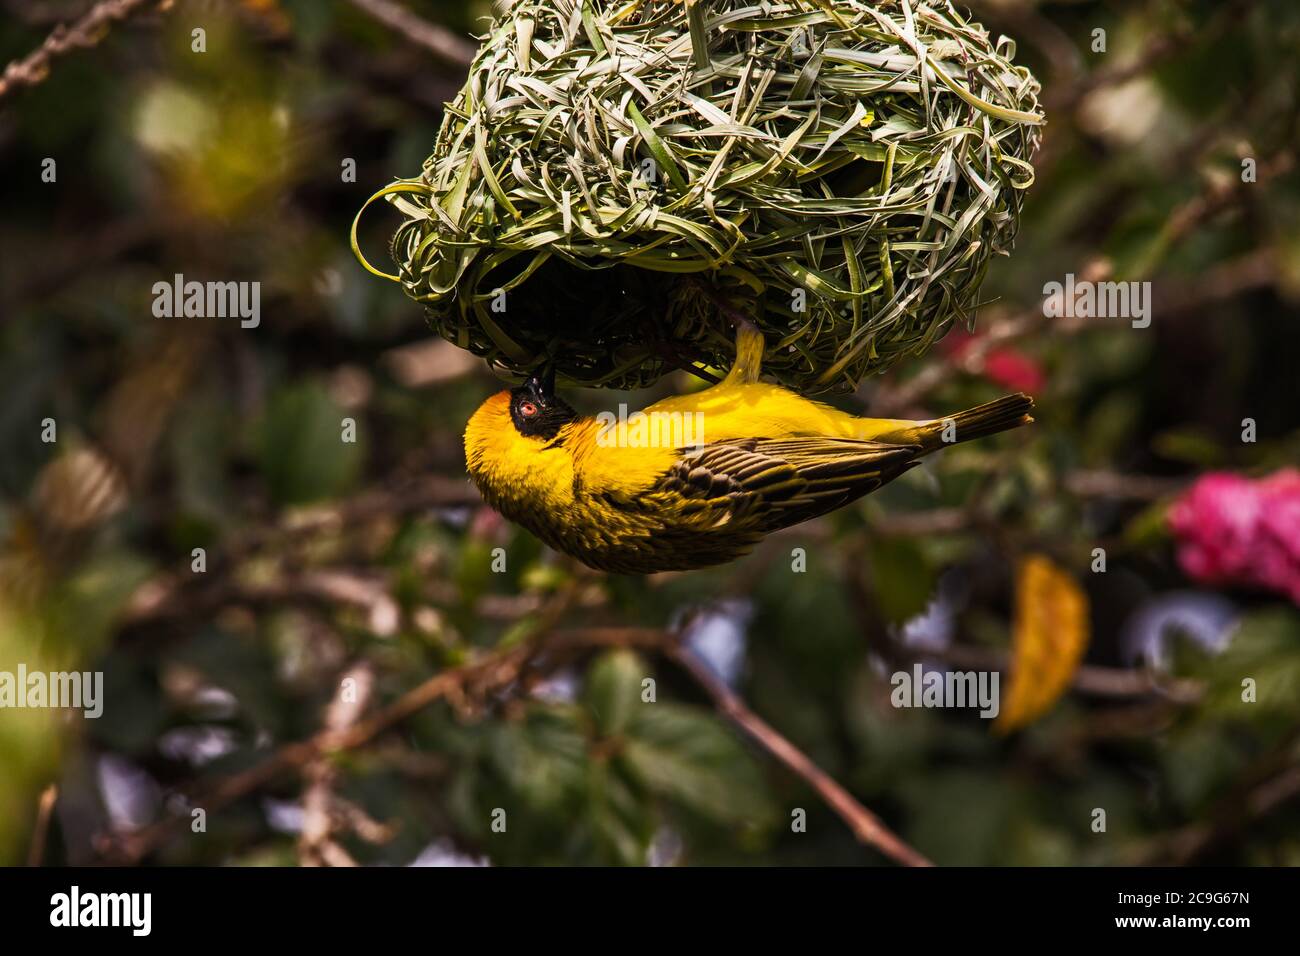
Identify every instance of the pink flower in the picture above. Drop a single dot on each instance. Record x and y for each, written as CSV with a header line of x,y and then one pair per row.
x,y
1007,367
1232,530
1013,370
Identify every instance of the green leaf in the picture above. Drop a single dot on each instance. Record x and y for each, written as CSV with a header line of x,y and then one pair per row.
x,y
1188,445
1265,650
686,755
613,690
656,146
83,608
1149,527
621,821
541,758
903,578
301,450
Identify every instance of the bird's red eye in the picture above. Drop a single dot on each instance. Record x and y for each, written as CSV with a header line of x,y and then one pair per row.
x,y
527,409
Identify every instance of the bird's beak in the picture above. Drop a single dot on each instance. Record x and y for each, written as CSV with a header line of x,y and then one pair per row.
x,y
543,385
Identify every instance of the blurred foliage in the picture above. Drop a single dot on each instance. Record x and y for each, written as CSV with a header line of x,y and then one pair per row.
x,y
319,553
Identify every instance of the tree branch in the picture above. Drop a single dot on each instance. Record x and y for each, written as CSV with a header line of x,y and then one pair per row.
x,y
1114,682
479,678
316,844
493,674
438,40
1162,46
84,34
866,826
493,671
41,830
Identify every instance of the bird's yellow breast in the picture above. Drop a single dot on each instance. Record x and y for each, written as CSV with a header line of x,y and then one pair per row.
x,y
508,465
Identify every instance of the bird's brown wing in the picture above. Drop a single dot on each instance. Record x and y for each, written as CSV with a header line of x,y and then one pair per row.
x,y
763,485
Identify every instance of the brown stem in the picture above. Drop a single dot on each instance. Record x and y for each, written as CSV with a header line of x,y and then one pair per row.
x,y
866,826
41,830
85,33
438,40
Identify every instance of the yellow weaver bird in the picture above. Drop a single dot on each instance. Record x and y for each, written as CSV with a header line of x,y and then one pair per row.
x,y
768,459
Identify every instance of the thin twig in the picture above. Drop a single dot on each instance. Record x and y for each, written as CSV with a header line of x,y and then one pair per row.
x,y
866,826
491,675
1257,269
1268,785
438,40
1115,682
84,34
1119,486
934,521
169,597
1163,45
41,830
316,844
493,670
480,678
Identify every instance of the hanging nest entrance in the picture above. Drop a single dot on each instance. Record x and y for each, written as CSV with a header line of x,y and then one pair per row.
x,y
614,177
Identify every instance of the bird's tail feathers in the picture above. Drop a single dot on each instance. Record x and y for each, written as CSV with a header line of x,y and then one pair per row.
x,y
1010,411
1005,413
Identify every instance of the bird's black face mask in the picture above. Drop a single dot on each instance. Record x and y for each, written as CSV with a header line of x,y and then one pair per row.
x,y
535,409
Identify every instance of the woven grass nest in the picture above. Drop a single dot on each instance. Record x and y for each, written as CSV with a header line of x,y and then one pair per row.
x,y
618,178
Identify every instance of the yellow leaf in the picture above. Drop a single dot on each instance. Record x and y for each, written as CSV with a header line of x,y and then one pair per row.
x,y
1049,637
